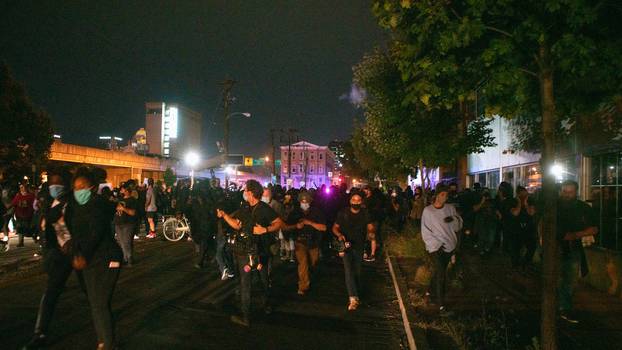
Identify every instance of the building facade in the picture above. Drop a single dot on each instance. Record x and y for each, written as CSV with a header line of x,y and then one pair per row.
x,y
594,160
311,165
172,129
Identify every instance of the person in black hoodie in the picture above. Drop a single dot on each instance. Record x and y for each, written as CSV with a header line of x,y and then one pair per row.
x,y
56,241
95,254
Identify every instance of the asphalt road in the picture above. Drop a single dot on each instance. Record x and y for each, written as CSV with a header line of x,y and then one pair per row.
x,y
163,302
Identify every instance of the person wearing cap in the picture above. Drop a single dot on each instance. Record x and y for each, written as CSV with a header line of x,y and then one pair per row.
x,y
439,223
308,224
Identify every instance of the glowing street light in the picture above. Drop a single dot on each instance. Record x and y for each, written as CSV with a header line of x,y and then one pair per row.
x,y
192,160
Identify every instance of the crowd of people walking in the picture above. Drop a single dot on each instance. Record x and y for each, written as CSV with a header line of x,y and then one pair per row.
x,y
86,227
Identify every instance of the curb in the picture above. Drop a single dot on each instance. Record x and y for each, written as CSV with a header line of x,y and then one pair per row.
x,y
416,336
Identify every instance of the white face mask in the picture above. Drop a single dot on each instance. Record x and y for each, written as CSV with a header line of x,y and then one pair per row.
x,y
305,206
265,199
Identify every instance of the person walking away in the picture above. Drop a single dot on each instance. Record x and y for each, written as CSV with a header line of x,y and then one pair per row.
x,y
576,223
253,221
525,235
485,223
95,254
125,223
309,230
352,227
417,206
439,223
57,248
24,211
151,209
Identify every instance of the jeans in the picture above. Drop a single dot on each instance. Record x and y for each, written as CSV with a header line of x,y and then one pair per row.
x,y
569,277
438,283
223,258
486,238
125,238
99,281
246,281
352,262
516,245
307,259
58,268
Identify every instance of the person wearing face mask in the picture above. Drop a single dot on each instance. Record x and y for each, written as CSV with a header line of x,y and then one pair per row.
x,y
24,211
95,254
439,223
352,226
56,252
308,229
576,223
254,222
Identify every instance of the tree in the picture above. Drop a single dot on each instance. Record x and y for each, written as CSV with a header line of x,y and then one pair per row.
x,y
169,177
543,62
406,134
26,133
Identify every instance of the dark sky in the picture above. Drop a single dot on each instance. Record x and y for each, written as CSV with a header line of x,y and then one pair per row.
x,y
93,64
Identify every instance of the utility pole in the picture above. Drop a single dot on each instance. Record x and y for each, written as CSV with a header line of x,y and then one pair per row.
x,y
226,102
290,137
276,175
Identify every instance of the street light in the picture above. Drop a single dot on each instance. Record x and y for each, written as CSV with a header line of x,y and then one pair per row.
x,y
192,160
226,140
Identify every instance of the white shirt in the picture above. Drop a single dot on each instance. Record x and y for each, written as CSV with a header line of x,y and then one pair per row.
x,y
437,233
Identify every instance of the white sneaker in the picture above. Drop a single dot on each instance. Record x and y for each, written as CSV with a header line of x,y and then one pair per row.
x,y
225,275
353,305
136,237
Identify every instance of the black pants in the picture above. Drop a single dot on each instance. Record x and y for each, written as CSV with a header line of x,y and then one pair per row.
x,y
202,242
438,284
246,282
352,262
58,268
517,243
99,280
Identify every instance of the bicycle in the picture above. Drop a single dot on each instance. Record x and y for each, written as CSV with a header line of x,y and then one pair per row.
x,y
175,227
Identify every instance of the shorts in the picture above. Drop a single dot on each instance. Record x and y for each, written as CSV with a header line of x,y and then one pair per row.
x,y
371,236
151,214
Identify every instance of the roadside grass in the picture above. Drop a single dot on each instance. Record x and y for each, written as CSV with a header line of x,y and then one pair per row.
x,y
491,327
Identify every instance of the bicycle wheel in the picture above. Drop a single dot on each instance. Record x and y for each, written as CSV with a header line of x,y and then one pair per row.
x,y
170,230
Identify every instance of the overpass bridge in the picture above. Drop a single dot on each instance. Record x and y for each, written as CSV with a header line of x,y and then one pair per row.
x,y
120,166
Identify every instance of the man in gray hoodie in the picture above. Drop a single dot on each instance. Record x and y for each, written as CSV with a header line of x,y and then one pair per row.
x,y
439,223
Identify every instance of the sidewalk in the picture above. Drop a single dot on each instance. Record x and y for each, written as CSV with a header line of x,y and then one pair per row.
x,y
18,259
494,305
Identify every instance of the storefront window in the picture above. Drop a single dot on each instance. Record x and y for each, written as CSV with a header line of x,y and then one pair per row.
x,y
606,198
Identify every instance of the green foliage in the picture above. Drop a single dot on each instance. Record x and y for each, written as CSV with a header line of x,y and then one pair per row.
x,y
26,132
169,177
444,50
398,133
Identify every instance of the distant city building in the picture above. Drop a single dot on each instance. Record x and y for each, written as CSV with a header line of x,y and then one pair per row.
x,y
311,165
336,147
138,143
172,129
112,143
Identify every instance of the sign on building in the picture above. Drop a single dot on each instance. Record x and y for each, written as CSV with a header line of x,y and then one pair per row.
x,y
248,161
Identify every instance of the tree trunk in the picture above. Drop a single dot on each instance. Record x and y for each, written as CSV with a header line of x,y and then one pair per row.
x,y
549,234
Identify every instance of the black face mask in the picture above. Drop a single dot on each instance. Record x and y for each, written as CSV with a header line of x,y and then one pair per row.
x,y
355,206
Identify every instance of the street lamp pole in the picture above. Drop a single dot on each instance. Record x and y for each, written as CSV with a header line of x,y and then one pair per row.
x,y
226,136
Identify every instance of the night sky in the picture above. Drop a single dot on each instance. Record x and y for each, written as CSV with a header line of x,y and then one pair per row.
x,y
93,65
